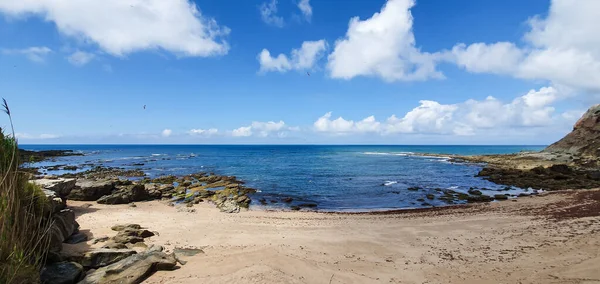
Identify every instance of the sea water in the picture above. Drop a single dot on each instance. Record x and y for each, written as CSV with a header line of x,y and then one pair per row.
x,y
336,178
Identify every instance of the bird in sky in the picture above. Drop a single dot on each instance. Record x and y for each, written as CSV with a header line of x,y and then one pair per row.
x,y
307,73
144,106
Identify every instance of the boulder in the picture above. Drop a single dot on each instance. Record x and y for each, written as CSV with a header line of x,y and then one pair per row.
x,y
228,206
61,186
127,194
103,257
63,226
91,190
61,273
133,269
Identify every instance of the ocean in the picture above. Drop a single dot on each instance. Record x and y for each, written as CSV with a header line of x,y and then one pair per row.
x,y
336,178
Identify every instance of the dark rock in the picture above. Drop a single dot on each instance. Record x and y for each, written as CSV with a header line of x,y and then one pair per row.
x,y
295,208
103,257
62,186
125,226
430,196
475,192
77,238
308,205
61,273
413,188
584,140
478,198
64,225
500,197
133,269
288,200
91,190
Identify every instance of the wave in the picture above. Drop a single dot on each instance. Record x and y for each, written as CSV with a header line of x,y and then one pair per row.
x,y
388,183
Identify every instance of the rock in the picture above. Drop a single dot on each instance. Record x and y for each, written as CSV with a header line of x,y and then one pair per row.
x,y
500,197
133,269
61,273
430,196
103,257
295,208
479,198
126,226
288,200
229,206
473,191
55,203
414,188
91,190
77,238
307,205
126,194
100,240
63,227
243,201
61,186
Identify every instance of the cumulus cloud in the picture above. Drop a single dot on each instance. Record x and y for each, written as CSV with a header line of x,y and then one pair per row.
x,y
533,109
383,46
166,132
342,126
203,132
263,129
303,58
36,137
306,9
80,58
36,53
563,48
268,13
121,27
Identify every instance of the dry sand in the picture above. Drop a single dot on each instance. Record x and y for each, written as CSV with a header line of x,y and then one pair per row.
x,y
554,238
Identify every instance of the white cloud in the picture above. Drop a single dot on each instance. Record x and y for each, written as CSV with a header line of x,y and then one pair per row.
x,y
36,53
166,132
382,46
242,131
121,27
468,118
263,129
342,126
204,132
304,6
80,58
563,48
303,58
36,137
268,13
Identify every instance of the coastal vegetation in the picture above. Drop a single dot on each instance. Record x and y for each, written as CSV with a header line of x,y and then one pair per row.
x,y
24,222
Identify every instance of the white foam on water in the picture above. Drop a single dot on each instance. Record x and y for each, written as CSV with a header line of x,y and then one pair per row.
x,y
388,183
453,187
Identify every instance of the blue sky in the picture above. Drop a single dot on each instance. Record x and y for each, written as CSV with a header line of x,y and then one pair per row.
x,y
396,72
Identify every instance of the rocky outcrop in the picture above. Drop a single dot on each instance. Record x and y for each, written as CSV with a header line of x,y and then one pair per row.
x,y
133,269
62,186
584,139
127,194
91,190
61,273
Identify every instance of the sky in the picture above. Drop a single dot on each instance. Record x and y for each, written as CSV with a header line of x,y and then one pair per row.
x,y
298,71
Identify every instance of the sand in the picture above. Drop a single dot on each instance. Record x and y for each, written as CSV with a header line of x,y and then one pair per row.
x,y
554,238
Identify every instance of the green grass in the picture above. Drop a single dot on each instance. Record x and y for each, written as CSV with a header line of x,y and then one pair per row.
x,y
24,218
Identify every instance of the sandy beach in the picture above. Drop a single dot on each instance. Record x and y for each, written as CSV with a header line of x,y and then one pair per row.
x,y
551,238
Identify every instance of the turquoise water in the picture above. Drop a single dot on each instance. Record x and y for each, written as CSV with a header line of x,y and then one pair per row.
x,y
336,178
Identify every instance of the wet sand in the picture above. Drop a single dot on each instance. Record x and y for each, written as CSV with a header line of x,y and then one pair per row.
x,y
552,238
